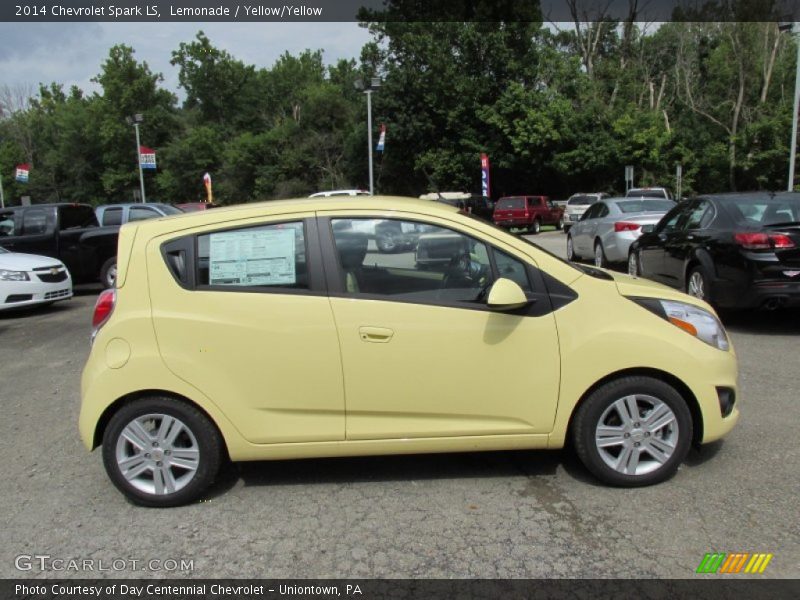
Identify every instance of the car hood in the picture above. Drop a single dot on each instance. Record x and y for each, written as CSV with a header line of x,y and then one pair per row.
x,y
16,261
644,288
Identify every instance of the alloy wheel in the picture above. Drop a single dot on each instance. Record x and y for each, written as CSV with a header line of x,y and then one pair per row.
x,y
637,434
696,286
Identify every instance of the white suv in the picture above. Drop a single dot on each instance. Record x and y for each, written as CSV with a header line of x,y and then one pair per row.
x,y
649,192
577,205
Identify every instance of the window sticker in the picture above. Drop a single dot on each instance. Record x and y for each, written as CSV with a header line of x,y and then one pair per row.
x,y
254,257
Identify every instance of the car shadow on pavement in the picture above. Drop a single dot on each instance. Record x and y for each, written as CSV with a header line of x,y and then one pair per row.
x,y
778,322
701,455
375,469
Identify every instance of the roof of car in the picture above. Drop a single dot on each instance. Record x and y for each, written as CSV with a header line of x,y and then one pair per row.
x,y
754,194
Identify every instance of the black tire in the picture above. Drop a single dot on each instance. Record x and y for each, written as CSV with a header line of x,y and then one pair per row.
x,y
634,266
644,389
536,227
600,259
386,242
698,284
560,224
208,443
571,256
108,273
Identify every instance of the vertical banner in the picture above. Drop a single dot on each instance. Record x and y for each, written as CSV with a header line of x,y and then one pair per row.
x,y
207,184
486,188
22,173
147,157
382,139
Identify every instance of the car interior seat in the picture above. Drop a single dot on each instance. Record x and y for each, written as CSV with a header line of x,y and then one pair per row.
x,y
352,247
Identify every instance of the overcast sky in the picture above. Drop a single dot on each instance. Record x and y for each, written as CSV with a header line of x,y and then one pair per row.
x,y
71,53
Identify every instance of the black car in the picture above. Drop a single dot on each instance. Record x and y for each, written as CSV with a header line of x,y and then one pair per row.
x,y
733,250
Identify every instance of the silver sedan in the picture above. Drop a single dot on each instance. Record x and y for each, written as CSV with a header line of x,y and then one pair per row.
x,y
608,228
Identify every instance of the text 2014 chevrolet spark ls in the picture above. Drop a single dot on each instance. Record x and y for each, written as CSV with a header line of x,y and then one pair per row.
x,y
278,330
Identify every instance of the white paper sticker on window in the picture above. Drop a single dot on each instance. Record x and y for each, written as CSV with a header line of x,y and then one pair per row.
x,y
252,257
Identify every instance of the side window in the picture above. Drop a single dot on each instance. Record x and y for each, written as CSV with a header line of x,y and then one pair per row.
x,y
697,215
670,221
112,216
6,224
140,213
589,213
513,269
268,256
34,222
602,211
408,261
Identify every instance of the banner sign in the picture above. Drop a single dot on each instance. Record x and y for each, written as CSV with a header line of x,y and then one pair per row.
x,y
382,139
23,171
207,184
486,188
147,157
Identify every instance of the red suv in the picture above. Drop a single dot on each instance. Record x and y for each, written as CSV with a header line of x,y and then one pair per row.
x,y
527,212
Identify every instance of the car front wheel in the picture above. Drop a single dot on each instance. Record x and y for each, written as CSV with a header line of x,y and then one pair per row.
x,y
161,452
633,265
570,249
633,431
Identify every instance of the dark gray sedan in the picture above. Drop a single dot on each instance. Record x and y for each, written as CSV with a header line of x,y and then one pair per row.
x,y
608,228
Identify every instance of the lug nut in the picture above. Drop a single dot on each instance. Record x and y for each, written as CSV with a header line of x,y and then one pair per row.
x,y
637,444
147,455
158,463
627,435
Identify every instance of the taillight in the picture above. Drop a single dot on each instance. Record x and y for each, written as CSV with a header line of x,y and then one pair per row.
x,y
624,226
103,308
763,241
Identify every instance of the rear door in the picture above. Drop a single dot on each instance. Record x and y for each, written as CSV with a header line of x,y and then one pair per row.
x,y
81,259
241,313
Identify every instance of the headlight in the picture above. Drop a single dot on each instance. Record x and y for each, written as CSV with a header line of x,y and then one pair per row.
x,y
6,275
692,319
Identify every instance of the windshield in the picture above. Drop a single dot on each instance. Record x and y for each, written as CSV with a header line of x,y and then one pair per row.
x,y
636,206
765,211
581,200
510,203
646,194
168,209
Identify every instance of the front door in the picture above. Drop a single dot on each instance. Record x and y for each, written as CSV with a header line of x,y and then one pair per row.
x,y
422,355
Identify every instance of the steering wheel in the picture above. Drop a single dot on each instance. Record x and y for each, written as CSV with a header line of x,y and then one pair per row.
x,y
463,272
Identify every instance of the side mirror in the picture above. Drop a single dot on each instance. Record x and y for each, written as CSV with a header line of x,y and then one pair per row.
x,y
648,228
506,295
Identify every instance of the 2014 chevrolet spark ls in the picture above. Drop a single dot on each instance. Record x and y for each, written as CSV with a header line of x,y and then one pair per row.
x,y
278,330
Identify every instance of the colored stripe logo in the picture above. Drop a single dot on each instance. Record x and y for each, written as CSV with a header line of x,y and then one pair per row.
x,y
737,562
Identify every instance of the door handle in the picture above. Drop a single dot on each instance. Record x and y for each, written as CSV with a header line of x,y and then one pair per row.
x,y
376,335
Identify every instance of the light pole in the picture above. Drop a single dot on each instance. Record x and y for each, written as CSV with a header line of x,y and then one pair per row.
x,y
794,29
374,84
135,120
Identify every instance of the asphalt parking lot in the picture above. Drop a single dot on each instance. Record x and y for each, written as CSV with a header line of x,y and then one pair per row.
x,y
484,515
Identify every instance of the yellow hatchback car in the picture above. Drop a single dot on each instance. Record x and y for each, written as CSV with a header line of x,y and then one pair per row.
x,y
284,330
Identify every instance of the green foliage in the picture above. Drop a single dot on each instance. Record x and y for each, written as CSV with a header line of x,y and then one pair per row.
x,y
554,114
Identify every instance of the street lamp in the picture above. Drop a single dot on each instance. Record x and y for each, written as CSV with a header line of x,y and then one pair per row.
x,y
794,29
374,84
135,120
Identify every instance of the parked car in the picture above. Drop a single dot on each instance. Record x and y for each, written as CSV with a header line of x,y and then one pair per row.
x,y
473,204
332,193
195,206
733,250
577,205
606,231
205,348
67,232
649,192
119,214
528,213
28,279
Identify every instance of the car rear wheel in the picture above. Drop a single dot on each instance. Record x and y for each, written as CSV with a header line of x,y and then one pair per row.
x,y
571,256
633,265
108,273
599,255
633,431
161,452
536,227
697,284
